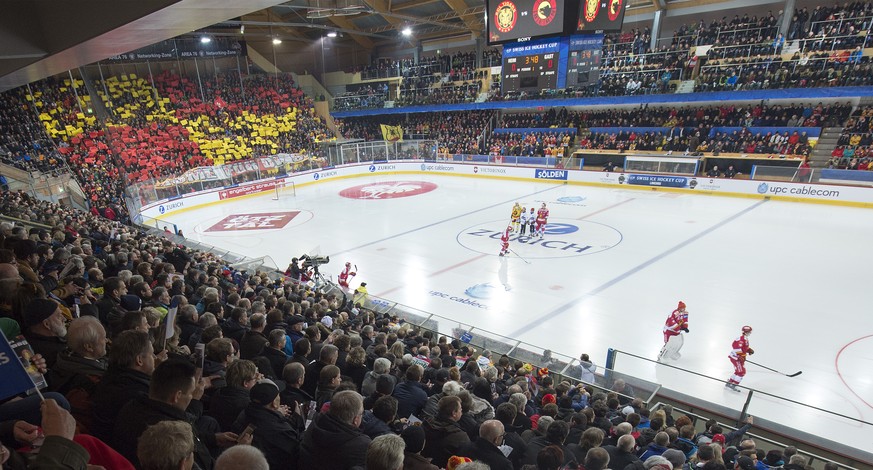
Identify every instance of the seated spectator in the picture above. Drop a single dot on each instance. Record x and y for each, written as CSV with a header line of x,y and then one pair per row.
x,y
44,329
293,375
172,391
274,350
485,447
237,325
253,341
127,377
328,380
555,435
219,354
228,402
379,421
410,393
167,445
242,457
81,366
333,440
327,357
386,453
275,426
444,438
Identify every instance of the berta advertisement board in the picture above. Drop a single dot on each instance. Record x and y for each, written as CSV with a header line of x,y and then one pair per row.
x,y
798,192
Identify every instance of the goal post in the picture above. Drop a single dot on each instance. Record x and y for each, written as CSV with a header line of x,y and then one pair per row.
x,y
286,187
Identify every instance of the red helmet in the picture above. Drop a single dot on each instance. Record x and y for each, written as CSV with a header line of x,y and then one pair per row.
x,y
747,329
681,305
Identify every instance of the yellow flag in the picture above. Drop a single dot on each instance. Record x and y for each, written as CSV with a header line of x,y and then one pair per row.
x,y
392,133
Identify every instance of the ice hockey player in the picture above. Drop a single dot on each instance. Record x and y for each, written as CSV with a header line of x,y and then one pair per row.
x,y
532,220
676,323
541,220
524,220
504,241
346,276
737,356
516,216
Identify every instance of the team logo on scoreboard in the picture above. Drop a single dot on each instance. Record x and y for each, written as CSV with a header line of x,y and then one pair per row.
x,y
614,9
505,16
592,7
545,11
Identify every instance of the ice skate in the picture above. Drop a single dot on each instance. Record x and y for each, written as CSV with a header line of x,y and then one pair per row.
x,y
731,386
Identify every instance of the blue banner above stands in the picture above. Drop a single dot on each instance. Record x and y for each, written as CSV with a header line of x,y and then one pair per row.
x,y
534,130
703,98
638,130
810,131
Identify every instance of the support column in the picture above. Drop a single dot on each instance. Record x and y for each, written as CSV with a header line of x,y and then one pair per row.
x,y
480,46
416,54
656,28
787,15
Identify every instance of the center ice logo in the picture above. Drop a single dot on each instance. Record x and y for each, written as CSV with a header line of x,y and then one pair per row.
x,y
563,238
388,190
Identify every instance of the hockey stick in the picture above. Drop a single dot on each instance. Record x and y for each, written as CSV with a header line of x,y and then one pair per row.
x,y
519,256
774,370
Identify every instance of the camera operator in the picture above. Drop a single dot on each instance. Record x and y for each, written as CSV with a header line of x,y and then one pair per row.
x,y
293,270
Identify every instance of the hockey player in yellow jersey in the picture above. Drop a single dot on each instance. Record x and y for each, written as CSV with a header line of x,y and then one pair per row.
x,y
516,217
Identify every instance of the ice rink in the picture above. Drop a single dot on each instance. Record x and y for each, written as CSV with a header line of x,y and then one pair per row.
x,y
610,269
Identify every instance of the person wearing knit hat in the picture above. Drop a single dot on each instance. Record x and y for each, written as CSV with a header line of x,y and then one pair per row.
x,y
675,456
275,427
413,437
676,323
548,398
718,439
44,329
455,461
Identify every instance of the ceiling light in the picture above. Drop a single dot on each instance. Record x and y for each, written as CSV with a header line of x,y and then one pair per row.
x,y
277,41
242,29
407,31
331,34
205,40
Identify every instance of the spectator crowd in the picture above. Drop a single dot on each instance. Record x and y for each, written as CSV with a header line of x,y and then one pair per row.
x,y
157,357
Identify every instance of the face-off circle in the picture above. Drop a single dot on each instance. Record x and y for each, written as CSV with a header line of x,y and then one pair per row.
x,y
564,238
388,190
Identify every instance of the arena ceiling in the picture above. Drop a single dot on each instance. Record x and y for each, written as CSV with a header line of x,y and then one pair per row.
x,y
41,38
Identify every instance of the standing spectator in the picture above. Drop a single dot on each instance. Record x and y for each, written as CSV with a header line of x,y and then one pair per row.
x,y
254,341
274,352
228,402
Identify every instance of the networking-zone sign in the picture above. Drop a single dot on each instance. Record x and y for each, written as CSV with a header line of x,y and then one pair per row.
x,y
551,174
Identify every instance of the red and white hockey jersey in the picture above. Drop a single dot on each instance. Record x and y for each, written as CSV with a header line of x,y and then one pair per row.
x,y
676,322
740,347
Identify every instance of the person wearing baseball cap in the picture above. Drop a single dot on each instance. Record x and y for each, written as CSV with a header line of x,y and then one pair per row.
x,y
744,463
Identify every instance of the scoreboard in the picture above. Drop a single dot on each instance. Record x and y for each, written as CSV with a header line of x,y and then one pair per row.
x,y
583,65
531,72
523,20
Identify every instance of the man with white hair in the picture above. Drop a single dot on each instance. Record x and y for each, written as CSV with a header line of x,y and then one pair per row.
x,y
386,453
622,453
83,363
242,457
486,448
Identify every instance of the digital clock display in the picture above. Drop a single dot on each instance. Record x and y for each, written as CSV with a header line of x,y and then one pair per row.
x,y
530,72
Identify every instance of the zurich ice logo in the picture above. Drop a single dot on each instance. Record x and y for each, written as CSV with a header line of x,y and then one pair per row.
x,y
762,188
316,176
372,168
161,209
480,291
560,229
571,199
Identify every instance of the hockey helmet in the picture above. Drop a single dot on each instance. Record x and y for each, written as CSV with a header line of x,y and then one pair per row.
x,y
681,305
747,329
